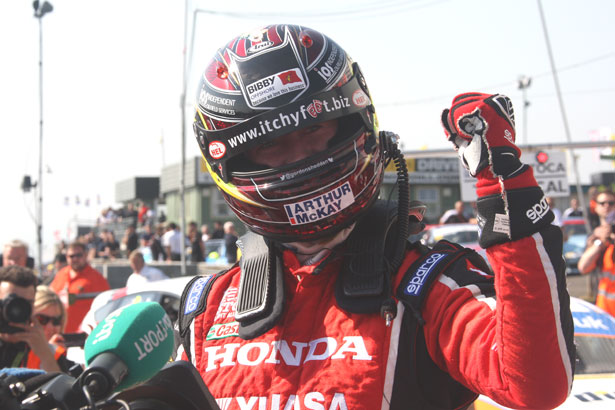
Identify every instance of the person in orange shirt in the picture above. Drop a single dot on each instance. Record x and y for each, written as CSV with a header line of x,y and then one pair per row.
x,y
600,252
594,219
76,278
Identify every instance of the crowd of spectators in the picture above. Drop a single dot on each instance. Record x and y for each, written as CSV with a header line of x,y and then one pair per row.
x,y
157,243
139,215
61,296
35,338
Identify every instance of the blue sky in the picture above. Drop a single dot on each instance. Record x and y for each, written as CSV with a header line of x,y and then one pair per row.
x,y
113,77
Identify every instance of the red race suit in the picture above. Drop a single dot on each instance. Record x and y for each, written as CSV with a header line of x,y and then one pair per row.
x,y
507,334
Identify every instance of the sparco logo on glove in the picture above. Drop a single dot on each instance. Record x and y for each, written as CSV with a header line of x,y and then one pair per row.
x,y
538,211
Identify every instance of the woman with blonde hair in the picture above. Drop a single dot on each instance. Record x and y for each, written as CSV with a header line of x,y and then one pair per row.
x,y
45,340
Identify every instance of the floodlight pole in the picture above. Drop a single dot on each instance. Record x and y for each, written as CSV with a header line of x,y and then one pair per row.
x,y
39,12
187,64
182,171
523,83
580,196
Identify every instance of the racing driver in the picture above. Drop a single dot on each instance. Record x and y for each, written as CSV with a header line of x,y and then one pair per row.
x,y
330,306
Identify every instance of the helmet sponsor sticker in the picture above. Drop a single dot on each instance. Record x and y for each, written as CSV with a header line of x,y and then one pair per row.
x,y
259,46
360,99
333,66
275,85
320,207
217,104
217,149
303,171
291,120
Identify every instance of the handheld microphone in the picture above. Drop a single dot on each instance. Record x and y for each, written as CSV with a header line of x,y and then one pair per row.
x,y
128,347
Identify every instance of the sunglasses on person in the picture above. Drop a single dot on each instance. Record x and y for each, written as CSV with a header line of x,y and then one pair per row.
x,y
603,203
44,319
74,255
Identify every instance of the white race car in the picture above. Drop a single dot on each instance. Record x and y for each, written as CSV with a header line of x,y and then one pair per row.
x,y
166,292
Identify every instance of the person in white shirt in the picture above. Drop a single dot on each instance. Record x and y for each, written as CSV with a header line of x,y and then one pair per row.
x,y
574,211
557,220
141,272
172,242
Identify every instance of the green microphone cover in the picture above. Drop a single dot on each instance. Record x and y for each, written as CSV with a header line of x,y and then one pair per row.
x,y
140,334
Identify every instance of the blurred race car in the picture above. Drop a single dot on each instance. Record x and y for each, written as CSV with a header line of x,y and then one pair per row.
x,y
465,234
166,292
594,380
575,238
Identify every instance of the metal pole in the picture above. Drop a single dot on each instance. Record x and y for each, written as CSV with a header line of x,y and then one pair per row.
x,y
564,119
39,184
182,177
525,104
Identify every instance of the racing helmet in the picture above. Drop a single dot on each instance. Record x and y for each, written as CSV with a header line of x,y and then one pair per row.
x,y
266,84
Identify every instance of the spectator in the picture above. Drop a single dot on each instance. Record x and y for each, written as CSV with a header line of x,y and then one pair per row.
x,y
130,241
600,252
145,241
16,253
205,234
158,252
172,242
142,272
107,216
594,219
109,248
574,210
49,317
92,243
218,231
455,215
197,248
556,212
142,213
230,242
76,278
59,262
27,337
130,214
61,247
150,217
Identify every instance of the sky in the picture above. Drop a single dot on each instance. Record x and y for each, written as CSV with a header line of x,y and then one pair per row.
x,y
113,75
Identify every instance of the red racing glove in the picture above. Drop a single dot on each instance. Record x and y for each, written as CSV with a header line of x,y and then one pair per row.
x,y
510,203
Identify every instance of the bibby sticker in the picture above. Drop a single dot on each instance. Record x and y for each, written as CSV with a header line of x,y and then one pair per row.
x,y
320,207
275,85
